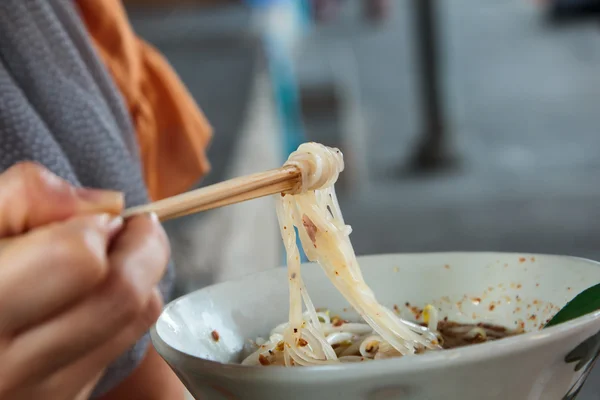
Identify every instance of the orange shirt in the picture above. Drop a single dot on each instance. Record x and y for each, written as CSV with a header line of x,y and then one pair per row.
x,y
172,132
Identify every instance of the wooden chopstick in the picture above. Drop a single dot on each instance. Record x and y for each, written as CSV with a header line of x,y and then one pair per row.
x,y
254,194
221,194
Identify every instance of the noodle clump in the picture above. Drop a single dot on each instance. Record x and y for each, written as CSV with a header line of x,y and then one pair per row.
x,y
313,338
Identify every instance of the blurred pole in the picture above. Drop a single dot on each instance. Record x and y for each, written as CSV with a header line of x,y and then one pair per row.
x,y
283,24
433,151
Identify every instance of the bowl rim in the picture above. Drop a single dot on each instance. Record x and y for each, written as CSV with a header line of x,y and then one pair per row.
x,y
427,361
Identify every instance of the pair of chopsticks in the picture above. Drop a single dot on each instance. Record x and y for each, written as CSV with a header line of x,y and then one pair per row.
x,y
221,194
232,191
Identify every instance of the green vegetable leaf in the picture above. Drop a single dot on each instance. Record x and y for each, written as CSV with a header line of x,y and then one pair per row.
x,y
584,303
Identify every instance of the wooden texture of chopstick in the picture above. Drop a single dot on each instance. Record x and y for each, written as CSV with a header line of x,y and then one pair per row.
x,y
222,194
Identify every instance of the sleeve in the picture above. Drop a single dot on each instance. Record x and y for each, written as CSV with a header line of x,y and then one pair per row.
x,y
172,132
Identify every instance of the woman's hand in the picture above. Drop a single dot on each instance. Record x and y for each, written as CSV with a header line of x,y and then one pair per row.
x,y
77,289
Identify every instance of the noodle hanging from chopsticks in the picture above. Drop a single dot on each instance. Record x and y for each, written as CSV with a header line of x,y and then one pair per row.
x,y
309,337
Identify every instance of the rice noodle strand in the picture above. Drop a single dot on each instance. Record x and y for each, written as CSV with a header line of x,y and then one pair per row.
x,y
314,210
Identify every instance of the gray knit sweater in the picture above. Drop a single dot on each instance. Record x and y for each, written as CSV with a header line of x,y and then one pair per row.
x,y
59,107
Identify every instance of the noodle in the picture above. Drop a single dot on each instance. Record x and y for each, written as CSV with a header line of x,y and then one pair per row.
x,y
315,212
355,342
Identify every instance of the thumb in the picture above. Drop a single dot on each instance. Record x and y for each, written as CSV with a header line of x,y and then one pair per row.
x,y
32,196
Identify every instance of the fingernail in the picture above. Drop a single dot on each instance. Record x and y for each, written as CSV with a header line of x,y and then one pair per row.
x,y
156,220
111,223
153,217
114,224
108,199
54,181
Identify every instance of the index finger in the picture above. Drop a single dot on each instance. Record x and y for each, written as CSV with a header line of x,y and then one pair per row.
x,y
32,196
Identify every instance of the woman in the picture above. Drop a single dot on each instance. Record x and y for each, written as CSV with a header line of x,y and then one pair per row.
x,y
84,98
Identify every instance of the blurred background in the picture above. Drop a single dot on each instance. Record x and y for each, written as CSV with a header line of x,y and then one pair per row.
x,y
466,125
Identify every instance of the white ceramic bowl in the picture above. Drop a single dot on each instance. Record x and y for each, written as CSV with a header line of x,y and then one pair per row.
x,y
507,289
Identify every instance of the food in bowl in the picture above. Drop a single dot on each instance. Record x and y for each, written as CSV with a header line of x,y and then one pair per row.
x,y
357,342
313,211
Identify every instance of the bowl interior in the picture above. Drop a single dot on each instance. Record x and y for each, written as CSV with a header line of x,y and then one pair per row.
x,y
501,288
